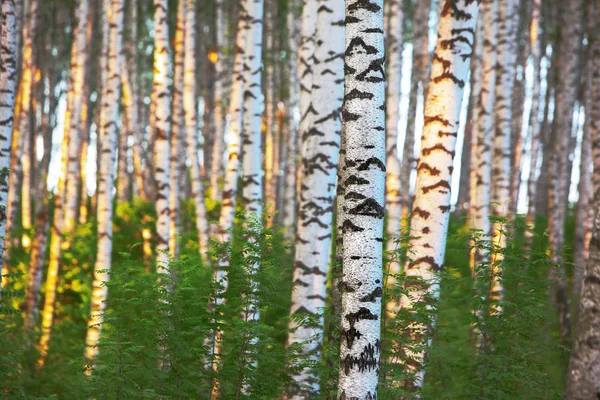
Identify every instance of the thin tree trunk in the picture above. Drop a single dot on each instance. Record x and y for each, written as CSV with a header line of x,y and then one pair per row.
x,y
176,131
191,128
8,83
269,154
431,208
483,128
78,82
230,189
571,19
162,131
22,130
364,118
316,201
304,76
584,364
109,114
393,188
216,168
501,147
419,75
534,122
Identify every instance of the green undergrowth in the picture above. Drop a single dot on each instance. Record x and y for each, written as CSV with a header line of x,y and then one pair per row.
x,y
154,342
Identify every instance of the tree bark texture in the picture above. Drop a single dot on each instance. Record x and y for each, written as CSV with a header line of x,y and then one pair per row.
x,y
321,145
431,208
364,118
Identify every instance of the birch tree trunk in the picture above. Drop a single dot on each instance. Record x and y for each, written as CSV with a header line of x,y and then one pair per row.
x,y
584,363
219,101
431,208
481,153
501,146
419,75
191,127
162,131
8,84
364,118
230,189
22,130
176,131
269,85
571,20
304,76
534,122
78,82
395,36
109,114
321,145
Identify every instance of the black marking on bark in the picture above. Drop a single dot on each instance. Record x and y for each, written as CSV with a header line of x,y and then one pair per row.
x,y
376,68
426,260
303,310
358,46
426,151
351,335
345,287
362,314
440,184
348,225
364,4
371,161
421,213
444,209
348,116
429,120
432,170
366,360
299,282
372,297
357,94
370,208
356,180
307,270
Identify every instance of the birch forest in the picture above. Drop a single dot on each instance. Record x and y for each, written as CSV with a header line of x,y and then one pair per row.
x,y
300,199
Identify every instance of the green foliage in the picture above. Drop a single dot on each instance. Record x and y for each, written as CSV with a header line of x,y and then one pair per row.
x,y
157,328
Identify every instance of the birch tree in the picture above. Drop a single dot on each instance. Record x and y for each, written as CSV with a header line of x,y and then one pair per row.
x,y
320,152
22,127
392,179
191,127
162,130
419,76
219,102
571,20
364,118
109,114
304,74
431,207
501,146
584,363
481,154
176,131
8,84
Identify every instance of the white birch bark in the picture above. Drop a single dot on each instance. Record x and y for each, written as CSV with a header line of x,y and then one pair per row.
x,y
162,131
252,188
419,76
364,118
8,84
431,207
216,170
230,189
304,76
534,122
571,21
483,127
321,146
393,189
176,131
109,114
192,133
77,82
501,147
22,128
